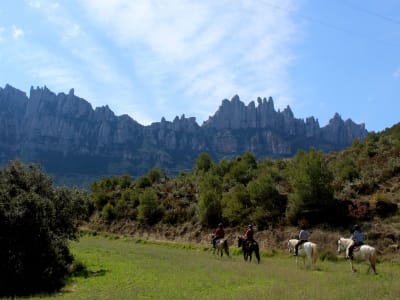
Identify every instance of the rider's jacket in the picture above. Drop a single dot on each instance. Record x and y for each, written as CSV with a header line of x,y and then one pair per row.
x,y
220,233
357,236
249,234
303,235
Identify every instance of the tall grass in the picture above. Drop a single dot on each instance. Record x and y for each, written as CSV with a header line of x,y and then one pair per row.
x,y
133,269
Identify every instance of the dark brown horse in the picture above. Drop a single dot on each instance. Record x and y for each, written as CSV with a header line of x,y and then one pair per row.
x,y
248,247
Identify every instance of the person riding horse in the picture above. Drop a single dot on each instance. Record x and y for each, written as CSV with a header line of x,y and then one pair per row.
x,y
358,240
249,235
303,238
219,234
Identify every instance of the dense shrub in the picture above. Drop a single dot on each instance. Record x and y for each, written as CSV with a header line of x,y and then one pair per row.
x,y
36,221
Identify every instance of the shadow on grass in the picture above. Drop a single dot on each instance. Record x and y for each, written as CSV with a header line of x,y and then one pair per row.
x,y
80,270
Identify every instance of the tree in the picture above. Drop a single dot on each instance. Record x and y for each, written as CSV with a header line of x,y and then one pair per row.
x,y
149,210
210,212
36,222
203,163
312,193
236,205
269,204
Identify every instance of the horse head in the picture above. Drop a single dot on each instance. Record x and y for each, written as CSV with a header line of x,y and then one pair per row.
x,y
240,241
339,246
290,244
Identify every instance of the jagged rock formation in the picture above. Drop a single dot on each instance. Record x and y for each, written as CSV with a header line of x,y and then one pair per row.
x,y
78,144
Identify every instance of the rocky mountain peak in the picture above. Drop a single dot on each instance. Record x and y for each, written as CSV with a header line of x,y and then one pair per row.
x,y
67,136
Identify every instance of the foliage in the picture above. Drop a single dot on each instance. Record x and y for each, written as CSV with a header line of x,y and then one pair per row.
x,y
335,188
149,210
203,163
36,222
312,193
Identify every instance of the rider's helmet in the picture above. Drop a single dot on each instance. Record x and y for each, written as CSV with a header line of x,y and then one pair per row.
x,y
220,225
250,226
356,227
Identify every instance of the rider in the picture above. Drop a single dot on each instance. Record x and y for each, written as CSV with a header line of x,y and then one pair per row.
x,y
249,234
219,234
303,237
357,240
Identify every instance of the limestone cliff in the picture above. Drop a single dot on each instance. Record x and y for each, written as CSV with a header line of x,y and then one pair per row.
x,y
78,144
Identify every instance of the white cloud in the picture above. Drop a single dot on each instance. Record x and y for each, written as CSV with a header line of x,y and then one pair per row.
x,y
210,50
34,4
17,32
396,73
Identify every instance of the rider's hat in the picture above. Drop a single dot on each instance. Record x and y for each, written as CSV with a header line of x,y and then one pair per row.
x,y
356,227
220,225
250,226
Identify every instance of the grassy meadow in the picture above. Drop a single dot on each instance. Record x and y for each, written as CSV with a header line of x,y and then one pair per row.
x,y
125,268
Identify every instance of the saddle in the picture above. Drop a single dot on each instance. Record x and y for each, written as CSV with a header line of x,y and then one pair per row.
x,y
251,243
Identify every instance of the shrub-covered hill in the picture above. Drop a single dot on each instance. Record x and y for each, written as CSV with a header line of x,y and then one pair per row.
x,y
330,192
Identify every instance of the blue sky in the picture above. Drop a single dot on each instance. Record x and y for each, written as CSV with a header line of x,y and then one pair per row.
x,y
152,59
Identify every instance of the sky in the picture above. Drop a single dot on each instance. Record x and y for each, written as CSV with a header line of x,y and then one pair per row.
x,y
166,58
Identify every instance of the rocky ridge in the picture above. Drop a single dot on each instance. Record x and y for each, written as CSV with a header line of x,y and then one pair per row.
x,y
77,144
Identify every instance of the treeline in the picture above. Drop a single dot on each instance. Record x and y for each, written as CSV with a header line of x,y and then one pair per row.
x,y
313,188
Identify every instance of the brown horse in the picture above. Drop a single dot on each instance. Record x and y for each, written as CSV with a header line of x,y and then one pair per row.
x,y
248,247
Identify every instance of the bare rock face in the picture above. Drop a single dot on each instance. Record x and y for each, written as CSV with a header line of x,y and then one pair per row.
x,y
78,144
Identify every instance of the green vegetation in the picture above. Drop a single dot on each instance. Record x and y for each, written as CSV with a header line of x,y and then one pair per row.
x,y
337,189
332,191
36,221
125,268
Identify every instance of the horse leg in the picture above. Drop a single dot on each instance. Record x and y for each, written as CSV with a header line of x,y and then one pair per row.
x,y
258,256
351,266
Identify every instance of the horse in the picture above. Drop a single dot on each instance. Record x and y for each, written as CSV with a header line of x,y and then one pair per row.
x,y
365,252
308,249
221,246
248,248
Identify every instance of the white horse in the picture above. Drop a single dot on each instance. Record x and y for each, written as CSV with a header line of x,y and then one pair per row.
x,y
221,246
365,252
308,249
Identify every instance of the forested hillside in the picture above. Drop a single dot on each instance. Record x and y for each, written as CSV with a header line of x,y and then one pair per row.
x,y
358,185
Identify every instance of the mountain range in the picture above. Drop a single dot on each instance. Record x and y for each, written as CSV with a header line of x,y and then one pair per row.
x,y
77,144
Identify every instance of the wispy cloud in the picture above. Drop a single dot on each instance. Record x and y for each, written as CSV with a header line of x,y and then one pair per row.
x,y
17,32
396,73
126,53
209,50
77,61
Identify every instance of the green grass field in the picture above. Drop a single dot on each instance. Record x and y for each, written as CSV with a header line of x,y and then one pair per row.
x,y
124,268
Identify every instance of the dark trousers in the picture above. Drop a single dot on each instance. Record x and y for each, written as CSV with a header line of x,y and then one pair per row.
x,y
296,247
351,248
215,240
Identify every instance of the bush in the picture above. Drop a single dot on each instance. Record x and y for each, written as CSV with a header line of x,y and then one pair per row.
x,y
36,222
149,210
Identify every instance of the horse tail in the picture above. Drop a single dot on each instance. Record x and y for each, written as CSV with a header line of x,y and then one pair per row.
x,y
314,253
257,251
226,247
372,259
